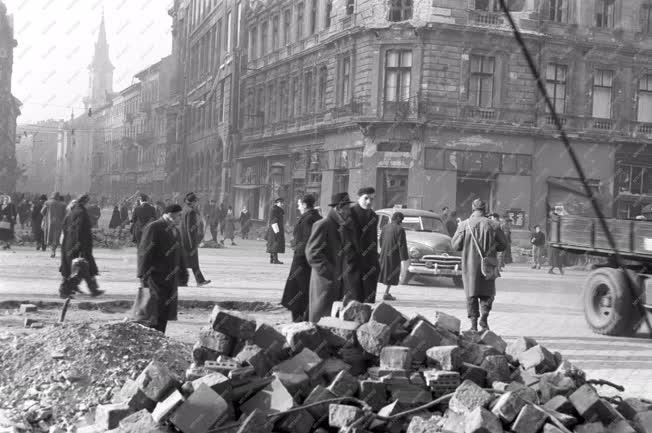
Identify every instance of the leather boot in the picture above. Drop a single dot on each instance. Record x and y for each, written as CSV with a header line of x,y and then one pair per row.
x,y
484,325
474,325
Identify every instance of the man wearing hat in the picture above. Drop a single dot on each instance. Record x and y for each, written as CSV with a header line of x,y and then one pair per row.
x,y
192,234
161,268
366,224
275,235
54,211
143,214
37,220
332,253
77,261
478,232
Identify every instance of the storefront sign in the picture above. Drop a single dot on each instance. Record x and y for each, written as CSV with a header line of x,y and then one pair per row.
x,y
396,161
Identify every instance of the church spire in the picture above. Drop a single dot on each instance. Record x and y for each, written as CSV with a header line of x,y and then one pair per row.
x,y
101,56
101,71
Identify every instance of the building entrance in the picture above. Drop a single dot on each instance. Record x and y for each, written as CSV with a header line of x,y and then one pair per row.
x,y
470,188
392,187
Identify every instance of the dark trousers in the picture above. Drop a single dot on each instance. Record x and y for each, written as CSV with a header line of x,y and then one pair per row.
x,y
40,239
199,277
70,285
222,227
213,229
478,305
299,316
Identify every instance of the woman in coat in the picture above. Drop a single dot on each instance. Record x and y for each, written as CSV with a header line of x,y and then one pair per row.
x,y
245,223
78,243
54,211
393,251
229,226
116,221
275,236
37,220
7,221
296,292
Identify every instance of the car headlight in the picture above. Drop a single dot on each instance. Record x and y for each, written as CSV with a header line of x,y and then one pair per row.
x,y
414,253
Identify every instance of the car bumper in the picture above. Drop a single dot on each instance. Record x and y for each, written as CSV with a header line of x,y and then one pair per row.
x,y
435,269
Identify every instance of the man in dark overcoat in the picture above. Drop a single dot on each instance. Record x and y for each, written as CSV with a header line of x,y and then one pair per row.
x,y
212,213
393,251
37,220
479,291
275,236
295,294
78,244
332,253
160,269
124,213
53,211
192,234
143,214
366,224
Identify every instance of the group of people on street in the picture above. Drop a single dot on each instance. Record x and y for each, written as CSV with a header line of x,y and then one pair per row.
x,y
555,256
223,217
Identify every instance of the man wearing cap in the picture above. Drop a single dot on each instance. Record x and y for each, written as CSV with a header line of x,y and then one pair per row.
x,y
275,236
78,244
366,224
143,214
332,253
490,239
192,234
161,268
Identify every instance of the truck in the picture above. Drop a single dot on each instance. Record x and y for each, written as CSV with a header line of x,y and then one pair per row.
x,y
612,305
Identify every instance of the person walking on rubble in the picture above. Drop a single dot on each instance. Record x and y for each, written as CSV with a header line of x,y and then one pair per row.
x,y
479,239
161,268
295,294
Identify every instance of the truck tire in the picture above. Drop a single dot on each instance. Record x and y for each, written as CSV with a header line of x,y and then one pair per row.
x,y
608,303
458,282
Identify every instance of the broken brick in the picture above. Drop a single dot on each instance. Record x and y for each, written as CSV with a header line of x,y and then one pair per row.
x,y
442,382
357,312
203,409
508,406
140,422
336,308
304,335
344,385
338,333
256,357
319,393
445,357
448,322
395,357
560,403
643,421
108,416
476,374
480,420
232,323
387,315
242,392
271,399
473,353
374,393
489,338
584,399
216,341
529,420
593,427
539,358
567,421
553,384
156,381
497,367
422,337
630,407
551,428
164,409
373,336
331,367
525,392
341,415
269,339
620,426
134,397
420,424
408,394
255,422
296,422
215,381
518,346
469,396
27,308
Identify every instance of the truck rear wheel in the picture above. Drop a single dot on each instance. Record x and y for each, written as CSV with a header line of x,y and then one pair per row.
x,y
608,303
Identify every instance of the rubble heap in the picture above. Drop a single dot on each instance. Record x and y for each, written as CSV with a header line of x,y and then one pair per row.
x,y
365,369
60,373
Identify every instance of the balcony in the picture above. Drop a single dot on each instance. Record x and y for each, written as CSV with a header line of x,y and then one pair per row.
x,y
486,18
642,128
400,110
352,108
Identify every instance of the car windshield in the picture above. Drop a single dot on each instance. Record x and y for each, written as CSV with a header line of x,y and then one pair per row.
x,y
423,224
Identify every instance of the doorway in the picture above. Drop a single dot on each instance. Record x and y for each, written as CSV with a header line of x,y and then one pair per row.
x,y
470,188
392,186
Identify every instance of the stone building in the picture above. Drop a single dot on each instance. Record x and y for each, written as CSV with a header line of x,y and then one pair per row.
x,y
432,103
36,152
9,105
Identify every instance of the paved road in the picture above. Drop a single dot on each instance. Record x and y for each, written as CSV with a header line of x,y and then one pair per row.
x,y
532,303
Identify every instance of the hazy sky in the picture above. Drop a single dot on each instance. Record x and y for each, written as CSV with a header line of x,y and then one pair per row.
x,y
56,39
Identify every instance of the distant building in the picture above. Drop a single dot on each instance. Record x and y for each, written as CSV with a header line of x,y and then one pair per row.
x,y
36,152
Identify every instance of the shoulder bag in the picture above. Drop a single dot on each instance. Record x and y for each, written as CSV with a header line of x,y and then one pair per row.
x,y
489,265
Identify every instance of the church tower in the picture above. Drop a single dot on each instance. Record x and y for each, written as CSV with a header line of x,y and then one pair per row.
x,y
101,72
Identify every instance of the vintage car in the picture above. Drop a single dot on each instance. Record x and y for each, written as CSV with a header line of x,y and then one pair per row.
x,y
429,245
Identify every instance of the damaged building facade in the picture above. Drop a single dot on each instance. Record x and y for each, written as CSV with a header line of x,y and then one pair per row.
x,y
432,103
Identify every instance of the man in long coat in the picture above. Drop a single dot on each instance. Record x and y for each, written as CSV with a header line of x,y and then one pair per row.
x,y
78,244
143,214
54,211
393,251
366,224
479,291
212,213
37,220
295,294
332,253
192,234
124,213
160,268
275,236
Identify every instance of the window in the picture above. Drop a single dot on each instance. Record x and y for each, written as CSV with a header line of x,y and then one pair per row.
x,y
287,25
350,7
400,10
327,14
300,8
646,16
394,146
308,93
346,80
602,84
481,86
604,13
323,81
341,181
297,102
633,179
238,22
220,41
275,29
645,99
284,96
398,71
271,101
494,5
313,17
263,39
292,96
220,109
556,86
558,11
253,42
228,32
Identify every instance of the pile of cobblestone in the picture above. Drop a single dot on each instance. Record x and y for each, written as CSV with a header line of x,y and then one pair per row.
x,y
119,237
367,368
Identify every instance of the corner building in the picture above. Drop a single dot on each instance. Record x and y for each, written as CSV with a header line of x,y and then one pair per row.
x,y
432,103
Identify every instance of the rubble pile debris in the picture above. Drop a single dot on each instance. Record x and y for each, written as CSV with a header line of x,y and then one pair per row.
x,y
378,372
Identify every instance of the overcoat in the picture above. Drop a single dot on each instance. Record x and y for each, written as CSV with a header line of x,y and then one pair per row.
x,y
116,221
366,224
54,211
491,240
229,226
295,294
160,267
331,252
8,214
393,250
276,241
245,222
37,219
124,213
192,234
142,215
77,240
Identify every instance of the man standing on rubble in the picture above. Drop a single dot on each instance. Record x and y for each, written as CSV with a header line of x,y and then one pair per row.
x,y
478,237
161,267
366,224
332,253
